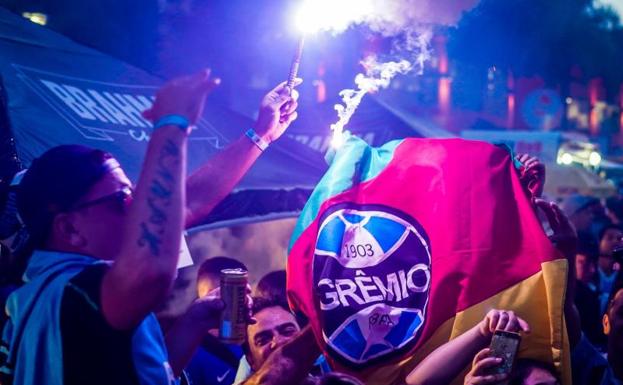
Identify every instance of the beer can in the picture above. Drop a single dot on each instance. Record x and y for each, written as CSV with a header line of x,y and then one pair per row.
x,y
233,326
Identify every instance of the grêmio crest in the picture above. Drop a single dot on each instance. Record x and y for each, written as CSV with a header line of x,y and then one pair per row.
x,y
372,275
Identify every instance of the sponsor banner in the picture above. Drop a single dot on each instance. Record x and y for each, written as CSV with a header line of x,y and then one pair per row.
x,y
103,111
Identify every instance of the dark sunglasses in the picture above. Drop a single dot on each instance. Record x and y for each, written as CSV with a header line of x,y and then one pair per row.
x,y
123,197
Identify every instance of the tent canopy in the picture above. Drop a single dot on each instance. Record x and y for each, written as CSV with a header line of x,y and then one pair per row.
x,y
56,91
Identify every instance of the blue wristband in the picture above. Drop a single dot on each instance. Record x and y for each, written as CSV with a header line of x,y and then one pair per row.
x,y
172,120
256,139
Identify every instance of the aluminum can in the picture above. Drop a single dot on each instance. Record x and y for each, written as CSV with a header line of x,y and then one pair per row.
x,y
233,326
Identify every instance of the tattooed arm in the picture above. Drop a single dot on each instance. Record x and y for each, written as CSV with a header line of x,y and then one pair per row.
x,y
207,186
143,271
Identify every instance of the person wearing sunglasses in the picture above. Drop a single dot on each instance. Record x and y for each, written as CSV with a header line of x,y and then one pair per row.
x,y
105,251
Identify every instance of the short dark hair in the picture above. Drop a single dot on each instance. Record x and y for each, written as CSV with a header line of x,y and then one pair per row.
x,y
211,267
272,285
55,182
587,245
604,230
261,303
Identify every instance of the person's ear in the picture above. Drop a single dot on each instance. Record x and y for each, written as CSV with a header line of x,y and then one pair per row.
x,y
205,284
605,321
202,288
64,229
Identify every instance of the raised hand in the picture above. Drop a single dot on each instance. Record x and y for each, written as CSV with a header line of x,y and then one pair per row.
x,y
183,96
532,174
277,111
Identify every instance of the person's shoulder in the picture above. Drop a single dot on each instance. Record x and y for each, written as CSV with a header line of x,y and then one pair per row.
x,y
587,363
584,351
94,271
86,285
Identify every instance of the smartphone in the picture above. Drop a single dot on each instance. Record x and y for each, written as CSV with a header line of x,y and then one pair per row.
x,y
505,346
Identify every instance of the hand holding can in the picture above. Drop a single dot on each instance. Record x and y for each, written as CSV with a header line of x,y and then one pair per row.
x,y
234,318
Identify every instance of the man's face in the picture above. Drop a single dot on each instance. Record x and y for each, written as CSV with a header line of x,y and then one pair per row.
x,y
615,320
584,268
538,376
610,240
102,225
275,326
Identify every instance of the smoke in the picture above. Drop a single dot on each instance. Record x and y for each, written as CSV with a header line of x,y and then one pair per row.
x,y
401,22
406,22
377,76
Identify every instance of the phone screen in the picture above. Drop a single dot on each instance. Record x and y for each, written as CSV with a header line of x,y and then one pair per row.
x,y
504,345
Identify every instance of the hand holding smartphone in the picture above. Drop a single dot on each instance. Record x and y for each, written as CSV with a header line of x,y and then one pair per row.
x,y
504,345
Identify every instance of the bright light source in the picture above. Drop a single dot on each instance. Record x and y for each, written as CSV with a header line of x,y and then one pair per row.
x,y
566,159
331,15
36,17
308,18
594,159
338,139
569,100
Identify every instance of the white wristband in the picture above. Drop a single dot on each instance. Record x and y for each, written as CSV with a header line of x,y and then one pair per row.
x,y
256,139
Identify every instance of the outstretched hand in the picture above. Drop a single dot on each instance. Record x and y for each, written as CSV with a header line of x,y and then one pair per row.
x,y
532,174
277,111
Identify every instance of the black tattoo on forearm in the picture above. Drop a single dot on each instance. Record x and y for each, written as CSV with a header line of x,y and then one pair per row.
x,y
159,198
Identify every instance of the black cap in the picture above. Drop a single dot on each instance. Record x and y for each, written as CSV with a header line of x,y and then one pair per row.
x,y
55,182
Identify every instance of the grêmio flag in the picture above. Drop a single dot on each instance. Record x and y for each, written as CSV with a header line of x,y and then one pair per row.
x,y
403,247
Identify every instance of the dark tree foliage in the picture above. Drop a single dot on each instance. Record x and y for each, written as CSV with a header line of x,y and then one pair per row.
x,y
542,38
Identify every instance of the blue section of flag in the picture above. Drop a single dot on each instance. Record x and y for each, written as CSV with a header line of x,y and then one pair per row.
x,y
375,349
353,218
408,323
386,231
350,340
330,238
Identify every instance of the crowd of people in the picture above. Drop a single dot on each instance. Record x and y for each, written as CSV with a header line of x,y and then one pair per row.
x,y
103,257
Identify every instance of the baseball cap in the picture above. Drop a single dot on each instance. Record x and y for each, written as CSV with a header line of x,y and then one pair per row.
x,y
55,182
